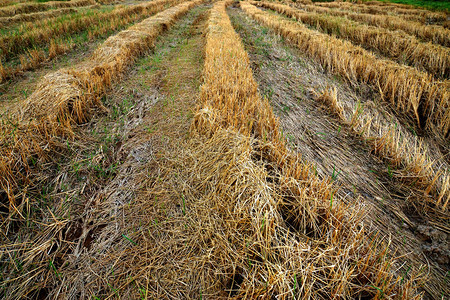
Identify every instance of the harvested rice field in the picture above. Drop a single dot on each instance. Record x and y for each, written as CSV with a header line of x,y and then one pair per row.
x,y
174,149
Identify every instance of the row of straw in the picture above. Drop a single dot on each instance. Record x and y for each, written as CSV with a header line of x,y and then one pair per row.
x,y
105,2
69,97
412,93
268,206
6,2
391,4
59,228
11,2
413,14
428,33
407,156
29,7
9,21
102,23
32,35
434,59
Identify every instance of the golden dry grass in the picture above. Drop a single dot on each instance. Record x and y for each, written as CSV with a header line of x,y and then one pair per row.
x,y
263,193
408,158
60,226
29,7
411,13
9,21
32,35
428,33
414,94
54,34
5,2
68,97
109,1
255,221
434,59
392,4
11,2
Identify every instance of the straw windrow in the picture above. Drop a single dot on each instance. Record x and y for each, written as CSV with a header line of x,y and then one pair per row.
x,y
434,59
413,94
106,65
32,35
225,210
22,8
407,156
405,13
69,97
56,32
9,21
428,33
268,203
